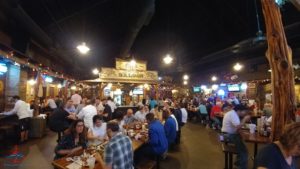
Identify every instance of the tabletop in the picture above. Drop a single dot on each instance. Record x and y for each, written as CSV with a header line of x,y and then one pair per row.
x,y
62,163
254,138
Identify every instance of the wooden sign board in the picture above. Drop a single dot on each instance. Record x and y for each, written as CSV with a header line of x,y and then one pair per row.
x,y
122,64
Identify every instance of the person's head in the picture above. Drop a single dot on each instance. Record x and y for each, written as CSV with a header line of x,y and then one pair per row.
x,y
76,92
129,112
84,100
97,120
112,128
15,98
290,139
119,116
109,98
92,101
98,100
156,107
57,97
166,113
77,128
226,107
241,110
141,108
150,117
69,103
104,101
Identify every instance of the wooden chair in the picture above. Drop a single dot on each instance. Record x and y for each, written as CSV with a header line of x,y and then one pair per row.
x,y
229,150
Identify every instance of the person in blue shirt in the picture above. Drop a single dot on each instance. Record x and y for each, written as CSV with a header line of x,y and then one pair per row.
x,y
282,153
152,103
203,114
170,127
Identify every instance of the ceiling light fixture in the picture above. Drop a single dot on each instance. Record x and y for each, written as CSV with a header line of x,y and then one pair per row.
x,y
214,78
237,67
83,48
186,77
185,82
168,59
95,71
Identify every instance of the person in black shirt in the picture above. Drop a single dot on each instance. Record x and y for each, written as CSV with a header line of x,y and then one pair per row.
x,y
282,153
107,113
73,141
60,119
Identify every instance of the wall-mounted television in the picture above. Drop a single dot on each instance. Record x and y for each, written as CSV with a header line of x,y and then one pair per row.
x,y
137,91
196,89
233,87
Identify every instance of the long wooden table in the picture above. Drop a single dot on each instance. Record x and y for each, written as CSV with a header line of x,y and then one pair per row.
x,y
62,163
254,138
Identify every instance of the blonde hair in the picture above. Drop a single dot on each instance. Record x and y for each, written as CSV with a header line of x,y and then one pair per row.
x,y
291,135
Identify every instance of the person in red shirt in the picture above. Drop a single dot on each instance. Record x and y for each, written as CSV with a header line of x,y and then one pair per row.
x,y
216,110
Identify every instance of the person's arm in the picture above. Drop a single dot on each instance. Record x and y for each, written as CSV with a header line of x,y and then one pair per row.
x,y
13,111
80,115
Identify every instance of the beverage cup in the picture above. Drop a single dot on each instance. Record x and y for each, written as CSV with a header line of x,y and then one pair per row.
x,y
252,128
91,162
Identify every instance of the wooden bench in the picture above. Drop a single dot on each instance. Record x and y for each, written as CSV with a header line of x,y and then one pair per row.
x,y
229,150
146,164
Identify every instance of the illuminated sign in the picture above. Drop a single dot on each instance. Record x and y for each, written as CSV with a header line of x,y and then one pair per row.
x,y
48,79
3,68
128,65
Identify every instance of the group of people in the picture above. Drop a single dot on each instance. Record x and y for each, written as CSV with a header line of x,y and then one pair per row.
x,y
94,124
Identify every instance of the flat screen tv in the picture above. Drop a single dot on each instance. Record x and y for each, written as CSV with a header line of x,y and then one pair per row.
x,y
233,88
196,89
137,91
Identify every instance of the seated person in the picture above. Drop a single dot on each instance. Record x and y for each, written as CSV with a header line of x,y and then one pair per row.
x,y
282,153
50,105
216,110
156,112
231,126
97,133
129,117
74,141
157,141
119,118
170,127
140,115
118,151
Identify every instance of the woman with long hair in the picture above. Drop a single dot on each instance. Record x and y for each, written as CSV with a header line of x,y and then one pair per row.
x,y
74,140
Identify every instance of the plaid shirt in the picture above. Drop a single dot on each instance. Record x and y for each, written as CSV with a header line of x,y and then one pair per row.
x,y
118,152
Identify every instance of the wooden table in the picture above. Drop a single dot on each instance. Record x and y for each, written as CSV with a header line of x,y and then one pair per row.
x,y
62,163
254,138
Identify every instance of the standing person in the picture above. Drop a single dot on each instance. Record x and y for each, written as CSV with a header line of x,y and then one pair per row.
x,y
58,101
99,106
170,127
22,110
118,152
81,105
50,104
231,125
107,112
184,114
60,119
282,153
152,103
73,141
76,98
203,112
97,133
87,113
112,106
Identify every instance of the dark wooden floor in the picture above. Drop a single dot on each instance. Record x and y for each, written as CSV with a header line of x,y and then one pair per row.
x,y
199,149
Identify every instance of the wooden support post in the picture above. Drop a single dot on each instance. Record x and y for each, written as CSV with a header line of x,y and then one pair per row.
x,y
279,56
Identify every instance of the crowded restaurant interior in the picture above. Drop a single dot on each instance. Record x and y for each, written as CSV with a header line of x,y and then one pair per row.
x,y
149,84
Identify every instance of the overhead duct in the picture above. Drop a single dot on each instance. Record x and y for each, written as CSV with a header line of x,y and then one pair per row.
x,y
145,16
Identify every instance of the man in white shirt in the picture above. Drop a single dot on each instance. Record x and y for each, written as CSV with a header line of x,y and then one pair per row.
x,y
99,106
76,98
50,104
111,104
140,115
231,125
184,114
22,110
87,113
